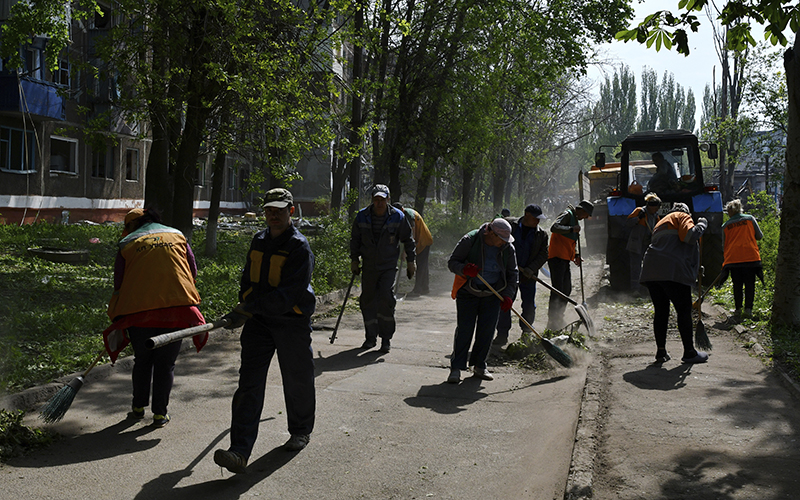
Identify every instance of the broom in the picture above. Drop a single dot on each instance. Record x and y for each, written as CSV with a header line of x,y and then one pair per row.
x,y
57,406
553,350
700,336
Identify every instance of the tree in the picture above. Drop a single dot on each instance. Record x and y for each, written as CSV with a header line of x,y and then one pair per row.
x,y
648,117
617,105
666,29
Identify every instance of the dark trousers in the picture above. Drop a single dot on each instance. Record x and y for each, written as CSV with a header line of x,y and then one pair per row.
x,y
377,303
261,337
156,365
662,293
474,316
561,280
527,293
421,284
744,280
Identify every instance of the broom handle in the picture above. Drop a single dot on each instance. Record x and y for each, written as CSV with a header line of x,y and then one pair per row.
x,y
512,307
167,338
559,292
96,360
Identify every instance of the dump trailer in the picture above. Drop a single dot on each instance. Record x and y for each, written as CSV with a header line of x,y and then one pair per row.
x,y
677,152
595,185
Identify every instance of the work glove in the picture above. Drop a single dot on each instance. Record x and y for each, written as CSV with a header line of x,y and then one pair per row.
x,y
506,304
470,270
528,273
642,214
702,222
354,267
411,268
237,317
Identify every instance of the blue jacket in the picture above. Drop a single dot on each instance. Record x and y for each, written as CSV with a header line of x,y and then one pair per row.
x,y
383,254
276,280
531,250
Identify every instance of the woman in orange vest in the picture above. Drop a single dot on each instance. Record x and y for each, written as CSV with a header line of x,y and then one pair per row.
x,y
154,293
742,259
642,221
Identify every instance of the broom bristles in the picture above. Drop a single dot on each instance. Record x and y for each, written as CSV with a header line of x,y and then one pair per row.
x,y
556,353
700,338
57,406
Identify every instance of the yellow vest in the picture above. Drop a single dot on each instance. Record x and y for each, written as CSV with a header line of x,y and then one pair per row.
x,y
157,273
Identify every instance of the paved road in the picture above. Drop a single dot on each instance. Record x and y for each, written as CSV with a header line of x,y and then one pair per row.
x,y
388,426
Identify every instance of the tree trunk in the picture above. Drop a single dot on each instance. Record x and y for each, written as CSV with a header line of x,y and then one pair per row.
x,y
466,189
158,183
216,197
786,301
499,182
424,181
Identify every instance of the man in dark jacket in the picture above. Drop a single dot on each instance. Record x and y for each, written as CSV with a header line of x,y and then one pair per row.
x,y
530,244
276,302
486,251
376,235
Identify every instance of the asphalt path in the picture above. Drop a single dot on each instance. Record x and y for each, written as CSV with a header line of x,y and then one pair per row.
x,y
387,426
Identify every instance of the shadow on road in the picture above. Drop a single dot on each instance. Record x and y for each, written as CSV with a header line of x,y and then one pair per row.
x,y
107,443
448,399
656,377
345,360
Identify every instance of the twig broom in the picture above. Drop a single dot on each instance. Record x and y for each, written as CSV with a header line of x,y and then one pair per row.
x,y
57,406
553,350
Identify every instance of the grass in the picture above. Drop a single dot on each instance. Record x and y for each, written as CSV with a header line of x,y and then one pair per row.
x,y
53,313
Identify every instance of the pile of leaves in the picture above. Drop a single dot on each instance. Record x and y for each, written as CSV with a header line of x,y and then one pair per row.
x,y
17,439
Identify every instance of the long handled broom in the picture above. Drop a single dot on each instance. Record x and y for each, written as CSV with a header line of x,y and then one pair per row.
x,y
700,336
55,409
553,350
346,296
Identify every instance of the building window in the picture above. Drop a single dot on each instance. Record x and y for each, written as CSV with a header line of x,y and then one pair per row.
x,y
61,75
33,63
132,164
17,150
103,163
63,155
232,177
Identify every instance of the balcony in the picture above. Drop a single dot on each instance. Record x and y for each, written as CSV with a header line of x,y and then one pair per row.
x,y
38,98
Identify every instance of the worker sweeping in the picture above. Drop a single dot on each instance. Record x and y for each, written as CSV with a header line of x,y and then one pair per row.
x,y
669,271
154,293
642,221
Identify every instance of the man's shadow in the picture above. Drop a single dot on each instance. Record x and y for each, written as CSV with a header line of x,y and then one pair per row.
x,y
656,377
229,488
107,443
346,360
446,398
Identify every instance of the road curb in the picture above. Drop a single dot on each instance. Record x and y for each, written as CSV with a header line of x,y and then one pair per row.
x,y
34,397
581,470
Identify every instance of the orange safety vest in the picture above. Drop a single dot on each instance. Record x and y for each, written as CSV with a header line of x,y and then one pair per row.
x,y
157,273
740,242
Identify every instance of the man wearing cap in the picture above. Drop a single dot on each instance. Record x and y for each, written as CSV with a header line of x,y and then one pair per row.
x,y
564,232
275,306
486,251
375,241
530,245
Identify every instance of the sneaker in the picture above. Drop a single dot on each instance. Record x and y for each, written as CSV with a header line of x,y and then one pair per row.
x,y
662,356
231,460
386,346
136,412
160,420
369,344
455,376
297,442
699,357
482,373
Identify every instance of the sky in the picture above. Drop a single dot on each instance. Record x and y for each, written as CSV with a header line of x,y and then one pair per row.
x,y
695,70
